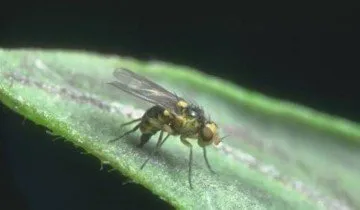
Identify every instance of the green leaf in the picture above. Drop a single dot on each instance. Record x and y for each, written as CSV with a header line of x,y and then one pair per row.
x,y
279,155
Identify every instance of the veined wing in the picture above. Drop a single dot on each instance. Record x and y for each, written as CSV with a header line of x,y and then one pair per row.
x,y
145,89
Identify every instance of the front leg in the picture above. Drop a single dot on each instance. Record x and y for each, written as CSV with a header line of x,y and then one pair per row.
x,y
207,161
188,144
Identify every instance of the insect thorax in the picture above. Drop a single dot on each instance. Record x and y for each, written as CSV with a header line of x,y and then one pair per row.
x,y
189,121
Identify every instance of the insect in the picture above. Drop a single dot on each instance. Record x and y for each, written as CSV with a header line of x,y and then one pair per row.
x,y
169,114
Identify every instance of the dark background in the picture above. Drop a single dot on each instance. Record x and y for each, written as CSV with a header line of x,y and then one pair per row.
x,y
308,56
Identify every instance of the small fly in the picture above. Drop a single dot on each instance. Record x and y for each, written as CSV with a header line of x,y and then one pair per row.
x,y
169,114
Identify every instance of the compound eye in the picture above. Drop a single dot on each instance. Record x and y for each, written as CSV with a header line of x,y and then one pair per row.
x,y
207,134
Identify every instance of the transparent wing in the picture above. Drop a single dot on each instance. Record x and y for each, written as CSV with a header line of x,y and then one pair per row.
x,y
145,89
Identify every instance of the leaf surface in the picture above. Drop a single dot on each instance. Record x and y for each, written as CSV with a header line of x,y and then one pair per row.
x,y
278,155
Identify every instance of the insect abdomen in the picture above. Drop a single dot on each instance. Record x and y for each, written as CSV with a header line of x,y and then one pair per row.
x,y
153,120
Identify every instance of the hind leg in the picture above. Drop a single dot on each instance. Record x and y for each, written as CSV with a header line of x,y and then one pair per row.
x,y
156,149
145,137
128,132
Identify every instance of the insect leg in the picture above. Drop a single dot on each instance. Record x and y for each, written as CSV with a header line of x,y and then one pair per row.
x,y
167,129
188,144
131,122
127,133
156,149
145,137
207,161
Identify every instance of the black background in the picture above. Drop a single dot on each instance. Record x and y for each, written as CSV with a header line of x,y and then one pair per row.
x,y
307,55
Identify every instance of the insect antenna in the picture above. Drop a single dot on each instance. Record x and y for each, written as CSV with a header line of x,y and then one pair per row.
x,y
222,138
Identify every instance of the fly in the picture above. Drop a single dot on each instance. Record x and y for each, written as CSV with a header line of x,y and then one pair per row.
x,y
169,114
